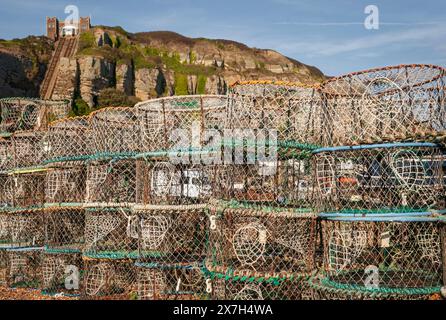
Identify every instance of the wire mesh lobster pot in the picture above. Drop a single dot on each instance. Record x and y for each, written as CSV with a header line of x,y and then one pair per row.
x,y
226,287
109,280
259,243
28,149
66,183
169,282
21,228
280,182
67,140
6,155
171,234
61,273
114,131
179,122
20,267
159,181
24,189
20,114
403,178
111,181
390,103
292,109
110,233
387,258
64,229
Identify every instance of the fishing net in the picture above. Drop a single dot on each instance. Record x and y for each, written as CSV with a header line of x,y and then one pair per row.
x,y
30,114
390,103
109,280
174,123
381,258
403,178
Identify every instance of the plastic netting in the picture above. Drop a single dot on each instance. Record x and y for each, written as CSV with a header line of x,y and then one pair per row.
x,y
389,103
178,122
114,131
399,257
66,184
27,148
21,268
170,282
21,228
61,273
260,243
67,139
29,114
64,229
112,181
109,280
110,234
161,182
25,189
280,183
403,178
292,109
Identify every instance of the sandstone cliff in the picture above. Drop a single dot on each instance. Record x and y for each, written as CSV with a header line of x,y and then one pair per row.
x,y
145,65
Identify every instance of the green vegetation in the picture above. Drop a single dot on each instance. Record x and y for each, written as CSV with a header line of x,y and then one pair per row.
x,y
111,97
80,108
181,85
201,84
125,51
87,40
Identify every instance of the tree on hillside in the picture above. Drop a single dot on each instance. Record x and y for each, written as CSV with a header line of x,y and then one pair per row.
x,y
111,97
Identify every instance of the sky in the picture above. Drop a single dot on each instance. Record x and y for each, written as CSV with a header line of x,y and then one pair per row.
x,y
328,34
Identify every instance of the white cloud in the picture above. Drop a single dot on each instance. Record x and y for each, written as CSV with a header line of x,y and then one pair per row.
x,y
408,38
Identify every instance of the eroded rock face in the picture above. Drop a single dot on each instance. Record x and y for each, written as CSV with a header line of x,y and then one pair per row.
x,y
95,74
149,83
125,79
16,78
66,79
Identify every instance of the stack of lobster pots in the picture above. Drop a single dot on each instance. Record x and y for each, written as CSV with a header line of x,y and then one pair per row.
x,y
380,184
262,236
22,176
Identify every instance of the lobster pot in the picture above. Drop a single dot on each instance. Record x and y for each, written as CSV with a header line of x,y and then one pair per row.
x,y
397,257
114,131
20,268
64,229
6,155
20,114
110,233
21,228
28,149
379,179
67,139
262,242
165,183
171,234
180,122
292,110
170,282
225,287
279,182
384,104
66,183
111,181
61,273
25,189
109,280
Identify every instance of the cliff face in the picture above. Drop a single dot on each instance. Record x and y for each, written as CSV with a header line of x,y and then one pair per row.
x,y
145,65
22,65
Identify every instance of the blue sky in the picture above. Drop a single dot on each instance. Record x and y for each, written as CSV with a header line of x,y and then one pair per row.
x,y
327,34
